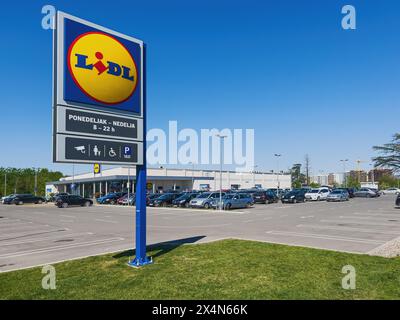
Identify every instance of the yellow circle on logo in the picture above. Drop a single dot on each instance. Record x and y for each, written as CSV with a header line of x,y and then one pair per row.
x,y
102,67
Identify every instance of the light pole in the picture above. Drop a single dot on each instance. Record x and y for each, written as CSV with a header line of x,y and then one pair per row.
x,y
277,155
73,179
192,163
254,176
129,185
5,184
344,171
36,170
373,174
221,137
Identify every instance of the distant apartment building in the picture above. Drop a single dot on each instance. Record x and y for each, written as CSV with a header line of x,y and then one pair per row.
x,y
321,179
377,174
359,175
330,179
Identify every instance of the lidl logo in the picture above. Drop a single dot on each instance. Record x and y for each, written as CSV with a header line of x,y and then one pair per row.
x,y
96,168
102,67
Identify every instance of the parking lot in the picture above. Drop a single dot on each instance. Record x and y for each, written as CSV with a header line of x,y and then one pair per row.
x,y
32,235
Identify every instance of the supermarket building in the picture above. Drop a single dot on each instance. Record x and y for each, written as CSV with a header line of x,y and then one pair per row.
x,y
165,179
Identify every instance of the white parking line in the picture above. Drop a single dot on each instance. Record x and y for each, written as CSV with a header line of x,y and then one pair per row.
x,y
107,221
359,223
63,247
4,244
339,228
12,224
368,218
324,237
191,227
67,216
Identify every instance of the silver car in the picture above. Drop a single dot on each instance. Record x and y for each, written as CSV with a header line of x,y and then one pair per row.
x,y
233,201
205,199
338,195
366,193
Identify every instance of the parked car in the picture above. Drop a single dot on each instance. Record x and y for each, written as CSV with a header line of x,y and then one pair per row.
x,y
204,200
233,201
65,201
6,199
279,192
164,200
54,196
184,200
20,199
265,196
151,196
125,201
398,200
294,196
350,191
317,194
366,193
338,195
391,191
110,198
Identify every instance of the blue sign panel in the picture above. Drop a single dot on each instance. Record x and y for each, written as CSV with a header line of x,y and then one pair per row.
x,y
101,69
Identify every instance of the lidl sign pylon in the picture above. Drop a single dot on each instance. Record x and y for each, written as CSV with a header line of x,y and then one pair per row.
x,y
99,104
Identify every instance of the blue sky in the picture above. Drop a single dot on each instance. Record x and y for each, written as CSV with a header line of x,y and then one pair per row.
x,y
286,69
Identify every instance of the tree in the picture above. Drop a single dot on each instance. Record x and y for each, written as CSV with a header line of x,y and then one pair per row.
x,y
387,181
314,185
353,183
298,178
390,154
23,180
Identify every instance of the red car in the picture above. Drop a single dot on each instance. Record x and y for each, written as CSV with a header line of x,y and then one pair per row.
x,y
121,200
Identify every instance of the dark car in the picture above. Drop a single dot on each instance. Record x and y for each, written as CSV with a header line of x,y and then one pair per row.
x,y
110,198
53,198
20,199
265,196
164,200
398,200
150,197
294,196
72,200
184,200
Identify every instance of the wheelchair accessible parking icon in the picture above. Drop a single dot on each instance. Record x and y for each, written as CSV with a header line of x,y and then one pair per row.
x,y
112,153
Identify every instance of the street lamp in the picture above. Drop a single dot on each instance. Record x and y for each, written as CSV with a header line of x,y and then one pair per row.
x,y
373,174
5,183
344,171
277,155
221,137
192,163
129,185
36,170
254,176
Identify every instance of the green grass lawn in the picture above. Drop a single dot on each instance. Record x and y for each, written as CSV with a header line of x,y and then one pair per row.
x,y
228,269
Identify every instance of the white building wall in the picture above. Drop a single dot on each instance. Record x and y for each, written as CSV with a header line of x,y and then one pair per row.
x,y
244,180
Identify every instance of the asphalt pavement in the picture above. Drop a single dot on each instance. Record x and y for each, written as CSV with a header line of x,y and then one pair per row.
x,y
32,235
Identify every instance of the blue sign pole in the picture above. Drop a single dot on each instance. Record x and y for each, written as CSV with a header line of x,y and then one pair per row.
x,y
141,258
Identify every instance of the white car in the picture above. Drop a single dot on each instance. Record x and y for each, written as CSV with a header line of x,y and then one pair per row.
x,y
317,194
391,191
